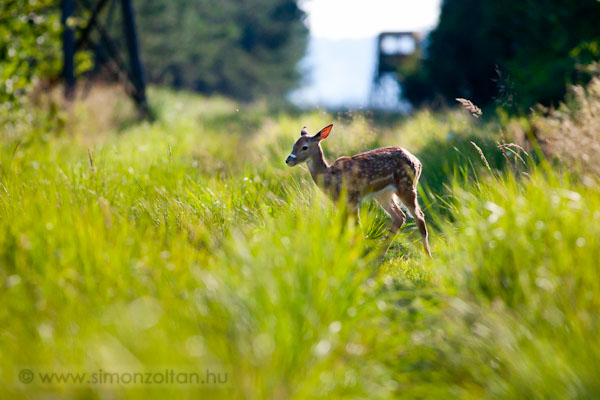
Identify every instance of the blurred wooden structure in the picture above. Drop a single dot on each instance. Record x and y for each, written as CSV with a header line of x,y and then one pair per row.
x,y
393,49
106,50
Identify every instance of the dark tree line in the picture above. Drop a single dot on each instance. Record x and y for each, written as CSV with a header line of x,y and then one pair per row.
x,y
514,52
243,49
240,48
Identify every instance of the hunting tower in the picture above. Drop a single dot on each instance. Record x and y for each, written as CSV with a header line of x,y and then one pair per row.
x,y
393,49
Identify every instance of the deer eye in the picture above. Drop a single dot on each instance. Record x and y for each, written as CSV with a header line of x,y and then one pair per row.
x,y
304,147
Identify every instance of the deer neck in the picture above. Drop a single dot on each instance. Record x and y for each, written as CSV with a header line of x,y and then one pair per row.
x,y
317,166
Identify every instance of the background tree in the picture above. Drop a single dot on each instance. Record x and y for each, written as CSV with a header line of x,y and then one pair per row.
x,y
29,46
244,49
520,52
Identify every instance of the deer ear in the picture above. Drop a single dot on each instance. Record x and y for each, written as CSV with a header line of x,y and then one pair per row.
x,y
324,132
304,132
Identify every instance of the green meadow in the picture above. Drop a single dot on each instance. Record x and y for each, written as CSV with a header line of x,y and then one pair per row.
x,y
187,244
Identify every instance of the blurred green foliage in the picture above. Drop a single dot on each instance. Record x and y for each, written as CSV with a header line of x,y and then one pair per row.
x,y
29,46
514,53
243,49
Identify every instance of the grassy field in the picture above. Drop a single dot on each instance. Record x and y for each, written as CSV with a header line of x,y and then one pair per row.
x,y
187,244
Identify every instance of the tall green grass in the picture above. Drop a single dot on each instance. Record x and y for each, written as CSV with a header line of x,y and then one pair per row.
x,y
187,243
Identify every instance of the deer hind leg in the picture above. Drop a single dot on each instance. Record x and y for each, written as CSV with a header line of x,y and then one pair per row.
x,y
409,198
390,203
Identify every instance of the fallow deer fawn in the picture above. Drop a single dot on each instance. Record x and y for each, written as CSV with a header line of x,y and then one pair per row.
x,y
388,174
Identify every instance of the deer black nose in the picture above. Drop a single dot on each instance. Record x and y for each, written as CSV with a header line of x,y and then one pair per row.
x,y
290,160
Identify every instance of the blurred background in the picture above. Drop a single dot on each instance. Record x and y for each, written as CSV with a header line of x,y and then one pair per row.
x,y
340,65
381,54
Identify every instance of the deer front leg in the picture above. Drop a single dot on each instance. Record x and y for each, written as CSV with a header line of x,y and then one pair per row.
x,y
353,206
350,206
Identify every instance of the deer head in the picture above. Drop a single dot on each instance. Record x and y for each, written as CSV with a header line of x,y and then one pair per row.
x,y
307,146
